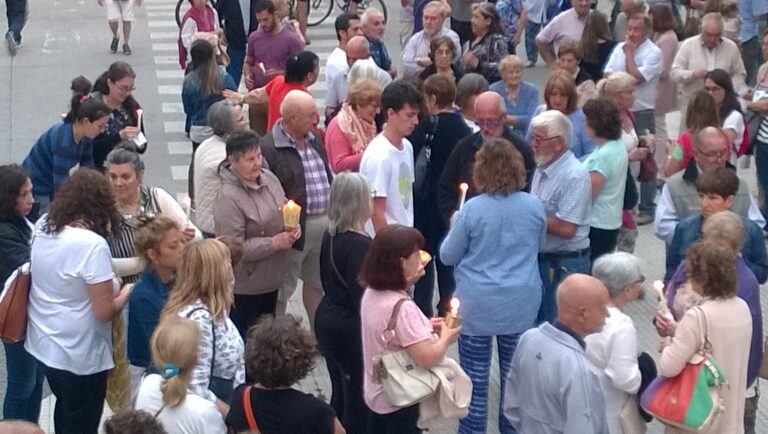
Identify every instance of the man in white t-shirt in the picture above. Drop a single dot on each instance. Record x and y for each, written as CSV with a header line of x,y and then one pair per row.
x,y
388,160
347,25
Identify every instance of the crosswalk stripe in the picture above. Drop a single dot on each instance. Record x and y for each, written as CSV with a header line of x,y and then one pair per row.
x,y
174,126
166,60
164,35
177,74
169,89
180,148
171,23
180,173
172,107
162,14
165,47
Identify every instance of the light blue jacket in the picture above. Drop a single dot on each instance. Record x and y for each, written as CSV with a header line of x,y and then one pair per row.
x,y
494,244
552,386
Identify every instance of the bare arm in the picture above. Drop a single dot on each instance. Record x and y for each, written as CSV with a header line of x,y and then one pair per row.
x,y
598,182
105,304
560,228
428,353
545,52
379,217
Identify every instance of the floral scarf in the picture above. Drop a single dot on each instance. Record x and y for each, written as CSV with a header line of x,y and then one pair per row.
x,y
358,131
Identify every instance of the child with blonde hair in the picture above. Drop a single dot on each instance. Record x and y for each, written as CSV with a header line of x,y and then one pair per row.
x,y
166,395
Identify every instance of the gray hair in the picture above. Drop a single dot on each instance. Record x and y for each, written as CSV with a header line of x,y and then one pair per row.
x,y
470,85
713,16
219,118
617,271
368,14
125,153
556,123
350,199
364,69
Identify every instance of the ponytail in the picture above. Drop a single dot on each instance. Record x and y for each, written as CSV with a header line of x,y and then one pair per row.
x,y
84,107
174,347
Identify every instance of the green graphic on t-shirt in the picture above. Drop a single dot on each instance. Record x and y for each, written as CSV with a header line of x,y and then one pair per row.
x,y
404,184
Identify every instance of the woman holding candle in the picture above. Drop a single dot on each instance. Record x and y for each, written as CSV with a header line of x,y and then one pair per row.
x,y
248,208
136,201
391,267
494,245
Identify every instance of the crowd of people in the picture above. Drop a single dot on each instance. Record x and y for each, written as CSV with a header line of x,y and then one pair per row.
x,y
448,180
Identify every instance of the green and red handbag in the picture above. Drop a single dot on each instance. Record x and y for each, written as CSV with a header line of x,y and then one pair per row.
x,y
691,400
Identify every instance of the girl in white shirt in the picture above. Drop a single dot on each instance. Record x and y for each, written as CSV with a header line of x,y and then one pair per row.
x,y
174,349
614,350
720,86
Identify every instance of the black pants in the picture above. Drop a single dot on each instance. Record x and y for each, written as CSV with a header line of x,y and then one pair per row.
x,y
338,336
191,173
602,241
248,308
402,421
446,285
79,400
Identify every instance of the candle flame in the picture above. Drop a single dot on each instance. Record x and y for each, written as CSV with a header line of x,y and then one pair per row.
x,y
455,303
464,186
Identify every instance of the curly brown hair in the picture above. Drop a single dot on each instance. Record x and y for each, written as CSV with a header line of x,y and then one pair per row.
x,y
711,267
498,168
133,422
85,196
279,352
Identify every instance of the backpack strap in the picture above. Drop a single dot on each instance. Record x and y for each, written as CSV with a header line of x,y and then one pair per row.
x,y
252,425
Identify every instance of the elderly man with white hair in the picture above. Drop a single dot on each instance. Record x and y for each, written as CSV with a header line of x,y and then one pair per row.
x,y
297,156
614,351
416,51
703,53
374,26
562,184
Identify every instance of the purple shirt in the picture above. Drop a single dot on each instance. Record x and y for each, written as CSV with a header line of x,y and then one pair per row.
x,y
749,291
271,50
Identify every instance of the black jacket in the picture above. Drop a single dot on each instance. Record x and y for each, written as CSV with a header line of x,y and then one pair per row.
x,y
232,21
14,245
285,162
458,169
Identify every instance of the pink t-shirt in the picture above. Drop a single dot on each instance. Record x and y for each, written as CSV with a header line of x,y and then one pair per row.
x,y
412,327
565,27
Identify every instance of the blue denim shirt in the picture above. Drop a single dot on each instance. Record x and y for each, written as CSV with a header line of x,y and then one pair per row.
x,y
147,300
688,232
195,106
494,244
581,144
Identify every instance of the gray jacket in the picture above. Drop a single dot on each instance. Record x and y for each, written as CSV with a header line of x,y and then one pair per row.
x,y
251,213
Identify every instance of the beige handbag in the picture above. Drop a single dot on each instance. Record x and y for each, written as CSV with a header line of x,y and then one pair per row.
x,y
405,382
631,421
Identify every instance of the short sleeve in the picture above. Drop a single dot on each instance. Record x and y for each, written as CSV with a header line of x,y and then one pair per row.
x,y
412,326
547,34
378,171
601,163
735,122
97,263
651,65
574,204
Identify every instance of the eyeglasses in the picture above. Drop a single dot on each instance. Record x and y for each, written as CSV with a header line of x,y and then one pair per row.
x,y
640,280
482,123
542,140
125,89
713,155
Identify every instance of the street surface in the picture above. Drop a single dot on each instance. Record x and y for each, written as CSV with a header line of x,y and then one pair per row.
x,y
67,38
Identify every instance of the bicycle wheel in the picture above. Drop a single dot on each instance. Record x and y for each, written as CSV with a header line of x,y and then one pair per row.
x,y
319,11
364,4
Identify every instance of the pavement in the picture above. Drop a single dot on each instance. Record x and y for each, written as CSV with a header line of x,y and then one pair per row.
x,y
66,38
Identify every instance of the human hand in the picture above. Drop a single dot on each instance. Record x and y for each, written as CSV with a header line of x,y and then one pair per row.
x,y
665,325
629,47
423,61
700,73
449,335
283,240
470,59
437,323
638,154
516,39
232,95
222,407
188,233
249,84
129,133
295,233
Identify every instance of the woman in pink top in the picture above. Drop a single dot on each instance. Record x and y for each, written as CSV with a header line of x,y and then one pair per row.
x,y
391,267
354,127
666,95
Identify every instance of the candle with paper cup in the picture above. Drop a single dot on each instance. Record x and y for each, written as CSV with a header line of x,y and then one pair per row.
x,y
425,257
452,317
658,287
291,214
463,187
140,139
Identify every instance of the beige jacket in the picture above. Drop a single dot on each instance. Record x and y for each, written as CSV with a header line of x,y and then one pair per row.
x,y
451,400
730,333
251,212
208,156
691,56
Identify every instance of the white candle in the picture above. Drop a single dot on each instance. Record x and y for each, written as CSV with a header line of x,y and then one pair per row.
x,y
463,187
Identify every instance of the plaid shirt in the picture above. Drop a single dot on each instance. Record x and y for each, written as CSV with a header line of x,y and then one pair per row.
x,y
315,177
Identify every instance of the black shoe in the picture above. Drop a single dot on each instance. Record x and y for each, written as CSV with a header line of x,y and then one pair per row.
x,y
12,44
114,44
127,50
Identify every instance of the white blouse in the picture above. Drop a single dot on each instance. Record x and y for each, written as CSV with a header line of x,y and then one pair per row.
x,y
614,353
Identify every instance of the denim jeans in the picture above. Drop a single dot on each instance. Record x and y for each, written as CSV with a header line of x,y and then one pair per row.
x,y
236,59
751,53
531,30
553,269
644,120
761,164
25,384
17,13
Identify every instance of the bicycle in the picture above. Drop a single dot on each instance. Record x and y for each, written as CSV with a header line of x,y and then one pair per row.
x,y
320,10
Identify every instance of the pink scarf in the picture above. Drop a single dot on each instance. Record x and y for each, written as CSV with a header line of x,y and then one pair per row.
x,y
358,131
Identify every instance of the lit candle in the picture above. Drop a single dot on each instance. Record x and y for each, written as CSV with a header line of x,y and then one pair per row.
x,y
291,214
425,257
658,286
139,116
463,187
452,318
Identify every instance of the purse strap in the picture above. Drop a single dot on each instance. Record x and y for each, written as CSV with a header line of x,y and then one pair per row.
x,y
213,331
706,346
389,333
252,425
333,263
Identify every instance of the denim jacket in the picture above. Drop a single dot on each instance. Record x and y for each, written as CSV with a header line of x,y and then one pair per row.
x,y
147,300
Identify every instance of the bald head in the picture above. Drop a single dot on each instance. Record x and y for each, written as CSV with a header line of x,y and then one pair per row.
x,y
489,114
298,111
490,102
358,48
710,148
582,304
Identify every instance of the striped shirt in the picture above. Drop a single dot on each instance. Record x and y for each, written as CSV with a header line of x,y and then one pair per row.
x,y
121,245
316,180
563,187
53,156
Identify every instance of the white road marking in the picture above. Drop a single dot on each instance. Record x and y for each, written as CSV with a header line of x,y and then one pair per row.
x,y
164,35
171,23
165,47
180,173
169,89
172,107
166,60
177,74
174,127
180,148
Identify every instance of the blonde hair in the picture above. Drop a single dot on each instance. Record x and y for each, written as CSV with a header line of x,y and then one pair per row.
x,y
175,342
615,83
510,62
725,228
282,8
205,273
150,234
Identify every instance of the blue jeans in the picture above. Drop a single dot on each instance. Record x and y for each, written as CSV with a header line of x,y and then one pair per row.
x,y
475,357
761,164
25,384
553,269
531,30
644,120
16,12
236,59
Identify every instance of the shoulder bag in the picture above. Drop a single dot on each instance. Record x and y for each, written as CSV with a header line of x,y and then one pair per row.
x,y
421,187
252,425
691,400
13,305
405,382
